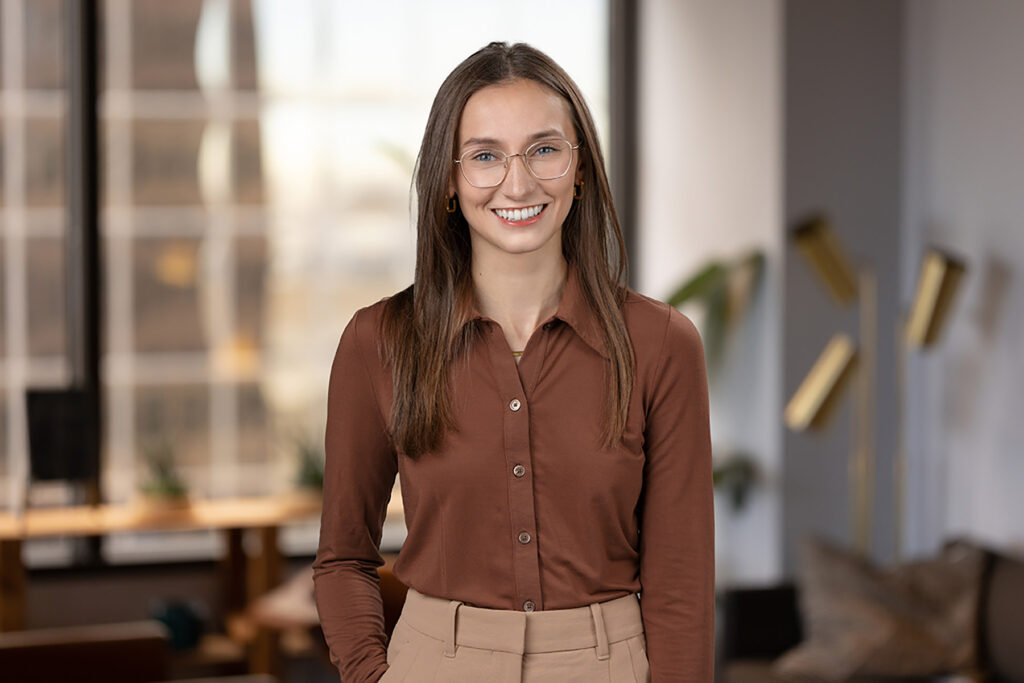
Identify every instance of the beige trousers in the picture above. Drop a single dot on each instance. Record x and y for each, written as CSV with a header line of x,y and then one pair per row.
x,y
438,640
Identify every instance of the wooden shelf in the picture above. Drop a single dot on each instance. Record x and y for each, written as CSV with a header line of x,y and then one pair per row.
x,y
200,514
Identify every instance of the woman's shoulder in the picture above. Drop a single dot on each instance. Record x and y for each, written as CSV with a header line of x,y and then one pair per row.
x,y
370,316
649,315
657,328
643,309
365,327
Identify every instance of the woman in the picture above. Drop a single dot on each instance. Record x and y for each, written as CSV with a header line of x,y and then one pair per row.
x,y
549,424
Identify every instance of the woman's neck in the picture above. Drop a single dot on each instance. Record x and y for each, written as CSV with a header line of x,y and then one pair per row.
x,y
519,299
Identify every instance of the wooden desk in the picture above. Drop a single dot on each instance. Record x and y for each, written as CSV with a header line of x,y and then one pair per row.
x,y
244,578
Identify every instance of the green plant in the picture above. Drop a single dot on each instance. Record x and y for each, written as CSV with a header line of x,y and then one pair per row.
x,y
164,481
736,476
724,288
310,472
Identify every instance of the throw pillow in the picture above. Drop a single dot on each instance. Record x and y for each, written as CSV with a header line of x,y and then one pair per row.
x,y
861,621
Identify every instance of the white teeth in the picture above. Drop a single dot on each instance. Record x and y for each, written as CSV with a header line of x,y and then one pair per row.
x,y
519,214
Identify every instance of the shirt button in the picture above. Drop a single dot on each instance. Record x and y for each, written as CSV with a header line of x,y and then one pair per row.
x,y
529,606
514,404
524,537
519,470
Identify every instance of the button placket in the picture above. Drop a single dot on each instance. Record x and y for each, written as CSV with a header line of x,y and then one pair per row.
x,y
510,381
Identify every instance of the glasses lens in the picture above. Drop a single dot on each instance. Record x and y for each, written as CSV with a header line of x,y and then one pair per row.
x,y
549,159
483,167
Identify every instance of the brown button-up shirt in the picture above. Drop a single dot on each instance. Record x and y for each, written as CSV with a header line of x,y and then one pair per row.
x,y
521,509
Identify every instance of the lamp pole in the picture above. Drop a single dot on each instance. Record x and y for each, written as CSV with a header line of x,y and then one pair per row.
x,y
862,464
899,461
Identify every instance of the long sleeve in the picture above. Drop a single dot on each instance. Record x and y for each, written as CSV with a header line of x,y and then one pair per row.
x,y
677,535
358,476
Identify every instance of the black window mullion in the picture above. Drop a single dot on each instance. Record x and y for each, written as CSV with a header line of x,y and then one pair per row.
x,y
84,300
623,27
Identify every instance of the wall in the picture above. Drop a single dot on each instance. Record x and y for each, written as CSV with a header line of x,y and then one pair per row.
x,y
710,187
965,165
902,121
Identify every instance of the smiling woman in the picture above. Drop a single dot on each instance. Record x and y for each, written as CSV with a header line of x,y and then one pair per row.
x,y
550,425
496,193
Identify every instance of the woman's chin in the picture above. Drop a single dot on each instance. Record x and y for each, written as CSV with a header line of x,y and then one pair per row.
x,y
518,243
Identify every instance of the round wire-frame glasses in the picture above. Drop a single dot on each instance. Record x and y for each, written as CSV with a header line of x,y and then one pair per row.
x,y
525,154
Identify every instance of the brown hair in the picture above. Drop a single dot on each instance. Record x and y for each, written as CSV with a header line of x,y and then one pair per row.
x,y
426,327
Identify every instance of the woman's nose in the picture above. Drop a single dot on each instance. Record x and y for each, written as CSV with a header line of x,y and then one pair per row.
x,y
519,180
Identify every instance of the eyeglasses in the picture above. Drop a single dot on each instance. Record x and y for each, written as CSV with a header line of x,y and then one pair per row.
x,y
545,160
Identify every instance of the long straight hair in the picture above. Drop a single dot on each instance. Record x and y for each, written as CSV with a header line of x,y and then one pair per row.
x,y
425,328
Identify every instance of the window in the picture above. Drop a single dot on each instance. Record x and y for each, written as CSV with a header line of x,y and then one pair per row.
x,y
256,172
33,341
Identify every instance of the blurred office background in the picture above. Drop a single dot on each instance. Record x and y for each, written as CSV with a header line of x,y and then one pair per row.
x,y
255,162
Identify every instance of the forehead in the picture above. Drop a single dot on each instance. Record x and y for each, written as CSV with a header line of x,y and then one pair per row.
x,y
511,112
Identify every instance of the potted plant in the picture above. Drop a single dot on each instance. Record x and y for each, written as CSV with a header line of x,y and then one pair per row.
x,y
163,488
724,289
309,466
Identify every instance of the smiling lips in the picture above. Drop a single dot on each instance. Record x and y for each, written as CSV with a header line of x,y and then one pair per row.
x,y
519,215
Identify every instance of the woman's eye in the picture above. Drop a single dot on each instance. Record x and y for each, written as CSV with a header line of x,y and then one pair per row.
x,y
545,149
484,156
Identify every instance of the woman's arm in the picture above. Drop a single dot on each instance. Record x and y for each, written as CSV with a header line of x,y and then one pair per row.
x,y
677,528
358,476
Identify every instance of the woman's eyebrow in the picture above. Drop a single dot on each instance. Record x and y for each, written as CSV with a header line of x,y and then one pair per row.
x,y
549,133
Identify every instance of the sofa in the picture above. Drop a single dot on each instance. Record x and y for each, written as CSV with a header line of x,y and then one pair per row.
x,y
765,627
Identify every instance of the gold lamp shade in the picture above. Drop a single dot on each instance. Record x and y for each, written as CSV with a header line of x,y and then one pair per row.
x,y
817,242
937,283
817,396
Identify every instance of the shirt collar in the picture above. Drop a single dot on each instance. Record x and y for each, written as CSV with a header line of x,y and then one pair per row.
x,y
572,309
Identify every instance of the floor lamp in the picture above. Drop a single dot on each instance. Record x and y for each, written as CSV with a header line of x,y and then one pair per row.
x,y
843,359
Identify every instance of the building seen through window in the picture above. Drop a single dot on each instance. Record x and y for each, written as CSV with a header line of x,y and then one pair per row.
x,y
256,161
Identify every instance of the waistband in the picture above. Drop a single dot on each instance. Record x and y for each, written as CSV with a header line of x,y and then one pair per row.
x,y
456,623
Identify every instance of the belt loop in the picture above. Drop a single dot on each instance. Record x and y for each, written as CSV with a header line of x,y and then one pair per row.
x,y
449,641
602,635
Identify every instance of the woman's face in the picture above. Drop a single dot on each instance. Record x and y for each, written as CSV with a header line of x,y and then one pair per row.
x,y
510,117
